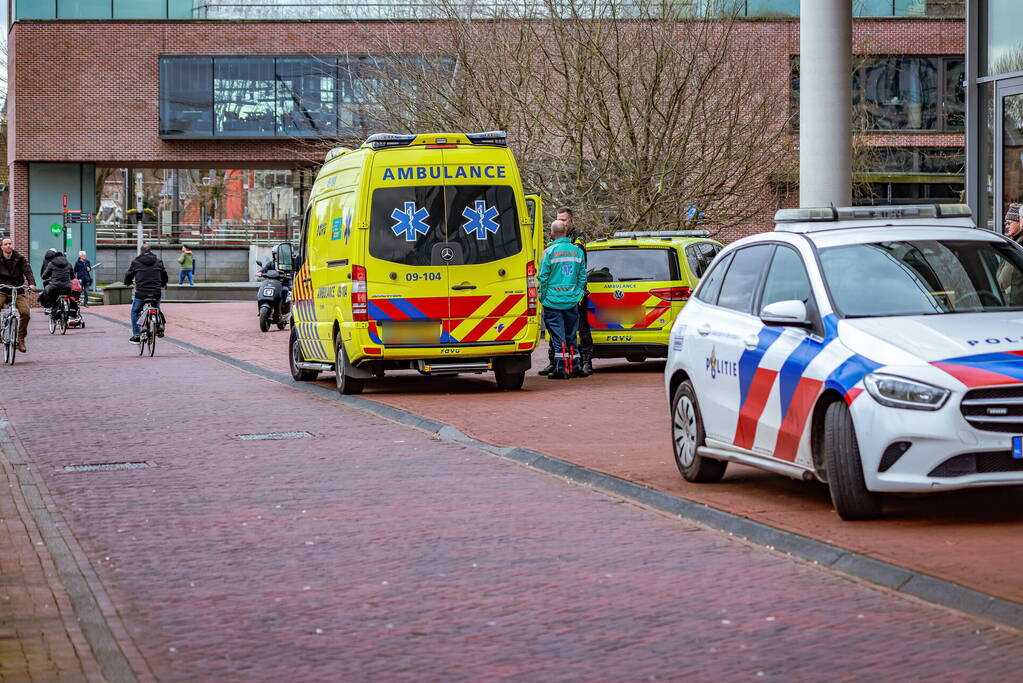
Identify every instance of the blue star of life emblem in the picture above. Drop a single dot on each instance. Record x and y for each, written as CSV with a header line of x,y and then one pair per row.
x,y
410,222
480,220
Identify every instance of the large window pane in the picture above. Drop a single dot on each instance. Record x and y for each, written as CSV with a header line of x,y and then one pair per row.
x,y
918,8
897,93
873,8
179,9
955,94
83,9
772,8
1004,51
244,96
186,96
305,96
740,286
140,9
36,9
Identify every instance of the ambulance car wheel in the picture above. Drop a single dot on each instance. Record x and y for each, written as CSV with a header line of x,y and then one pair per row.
x,y
264,319
345,383
849,492
687,435
509,381
295,357
635,358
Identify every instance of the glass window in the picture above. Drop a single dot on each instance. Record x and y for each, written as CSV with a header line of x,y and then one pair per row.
x,y
710,286
923,277
629,265
140,9
772,8
406,223
244,96
743,277
954,101
305,95
873,8
83,9
482,219
186,96
36,9
896,93
179,9
693,258
787,279
918,8
1004,53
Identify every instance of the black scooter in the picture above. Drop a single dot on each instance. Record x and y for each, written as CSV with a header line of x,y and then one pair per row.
x,y
274,299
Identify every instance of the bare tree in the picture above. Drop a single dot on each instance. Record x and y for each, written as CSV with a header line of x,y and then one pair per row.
x,y
637,112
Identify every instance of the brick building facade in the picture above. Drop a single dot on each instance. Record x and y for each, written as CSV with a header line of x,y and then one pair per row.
x,y
87,93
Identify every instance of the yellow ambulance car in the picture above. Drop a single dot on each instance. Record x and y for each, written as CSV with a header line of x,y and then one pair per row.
x,y
417,252
637,283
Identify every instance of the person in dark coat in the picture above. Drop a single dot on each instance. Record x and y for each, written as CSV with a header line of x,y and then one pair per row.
x,y
15,272
149,276
83,271
57,276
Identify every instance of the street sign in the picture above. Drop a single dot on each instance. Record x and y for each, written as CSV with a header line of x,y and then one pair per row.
x,y
56,229
79,217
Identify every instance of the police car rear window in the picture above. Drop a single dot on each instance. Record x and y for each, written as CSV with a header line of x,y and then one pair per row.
x,y
478,222
631,265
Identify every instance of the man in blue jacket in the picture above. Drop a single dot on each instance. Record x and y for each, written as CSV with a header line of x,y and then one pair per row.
x,y
562,283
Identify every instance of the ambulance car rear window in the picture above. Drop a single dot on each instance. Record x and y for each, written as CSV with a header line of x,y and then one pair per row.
x,y
483,220
631,265
405,223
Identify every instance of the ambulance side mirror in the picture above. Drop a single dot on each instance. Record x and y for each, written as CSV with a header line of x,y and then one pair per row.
x,y
790,313
285,257
535,206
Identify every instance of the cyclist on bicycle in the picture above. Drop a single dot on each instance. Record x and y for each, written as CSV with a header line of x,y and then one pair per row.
x,y
15,271
57,275
150,277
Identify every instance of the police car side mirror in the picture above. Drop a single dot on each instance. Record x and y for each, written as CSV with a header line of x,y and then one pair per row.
x,y
790,313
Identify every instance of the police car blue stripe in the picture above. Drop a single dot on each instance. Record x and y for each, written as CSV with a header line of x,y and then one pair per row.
x,y
849,373
750,359
794,367
1007,364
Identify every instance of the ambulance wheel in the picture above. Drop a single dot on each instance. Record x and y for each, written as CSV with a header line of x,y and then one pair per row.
x,y
636,358
295,357
346,384
509,381
264,319
687,435
849,492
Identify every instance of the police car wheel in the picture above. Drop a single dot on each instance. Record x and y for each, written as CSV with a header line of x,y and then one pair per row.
x,y
345,384
687,435
295,357
849,492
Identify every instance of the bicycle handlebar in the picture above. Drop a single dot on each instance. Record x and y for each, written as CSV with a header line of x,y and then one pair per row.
x,y
15,288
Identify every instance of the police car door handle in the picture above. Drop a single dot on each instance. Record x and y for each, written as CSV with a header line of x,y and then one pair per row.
x,y
752,341
460,287
703,330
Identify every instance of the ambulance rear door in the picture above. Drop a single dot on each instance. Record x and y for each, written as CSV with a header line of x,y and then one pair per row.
x,y
631,287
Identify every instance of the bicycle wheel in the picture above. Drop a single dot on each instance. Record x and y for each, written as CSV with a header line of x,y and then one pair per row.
x,y
151,333
63,319
10,347
53,322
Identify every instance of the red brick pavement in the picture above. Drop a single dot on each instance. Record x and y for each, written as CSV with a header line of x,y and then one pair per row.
x,y
375,551
616,422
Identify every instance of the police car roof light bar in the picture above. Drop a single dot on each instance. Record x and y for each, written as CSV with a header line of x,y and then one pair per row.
x,y
820,214
664,233
382,140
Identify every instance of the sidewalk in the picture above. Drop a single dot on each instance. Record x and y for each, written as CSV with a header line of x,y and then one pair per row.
x,y
369,550
616,422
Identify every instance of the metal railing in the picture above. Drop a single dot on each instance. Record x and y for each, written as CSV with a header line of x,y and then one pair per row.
x,y
193,233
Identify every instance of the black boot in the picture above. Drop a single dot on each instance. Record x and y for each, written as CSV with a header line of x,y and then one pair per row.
x,y
586,365
547,370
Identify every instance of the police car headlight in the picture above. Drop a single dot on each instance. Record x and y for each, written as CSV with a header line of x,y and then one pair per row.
x,y
899,392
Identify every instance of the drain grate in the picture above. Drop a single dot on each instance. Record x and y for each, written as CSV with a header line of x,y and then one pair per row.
x,y
107,466
274,436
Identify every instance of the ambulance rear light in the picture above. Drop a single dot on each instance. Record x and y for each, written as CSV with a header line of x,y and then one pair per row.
x,y
360,298
531,288
385,140
491,137
663,233
441,146
673,293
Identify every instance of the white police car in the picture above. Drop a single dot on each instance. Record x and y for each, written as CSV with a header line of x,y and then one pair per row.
x,y
878,349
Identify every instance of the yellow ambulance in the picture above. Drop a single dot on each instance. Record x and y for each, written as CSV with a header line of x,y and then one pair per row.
x,y
417,252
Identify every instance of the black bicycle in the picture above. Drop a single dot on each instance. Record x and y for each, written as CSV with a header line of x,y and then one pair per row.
x,y
61,316
10,320
150,326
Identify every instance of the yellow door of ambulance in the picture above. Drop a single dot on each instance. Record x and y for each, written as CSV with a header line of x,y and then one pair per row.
x,y
487,249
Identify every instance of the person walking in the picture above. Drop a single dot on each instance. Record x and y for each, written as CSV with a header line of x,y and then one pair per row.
x,y
15,272
149,276
187,263
562,281
83,271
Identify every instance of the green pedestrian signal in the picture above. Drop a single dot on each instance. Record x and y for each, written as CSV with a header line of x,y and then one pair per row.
x,y
56,229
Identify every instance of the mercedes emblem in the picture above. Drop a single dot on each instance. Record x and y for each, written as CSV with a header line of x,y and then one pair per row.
x,y
447,253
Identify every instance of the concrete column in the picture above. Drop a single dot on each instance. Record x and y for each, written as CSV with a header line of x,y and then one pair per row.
x,y
825,102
